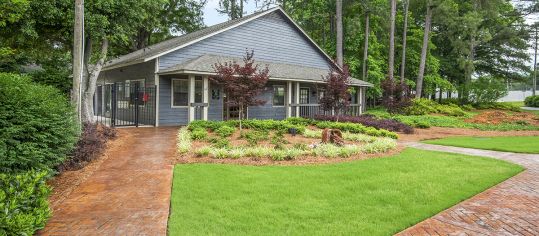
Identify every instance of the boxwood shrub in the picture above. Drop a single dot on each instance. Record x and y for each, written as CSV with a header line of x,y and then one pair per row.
x,y
356,128
532,101
23,202
37,125
264,125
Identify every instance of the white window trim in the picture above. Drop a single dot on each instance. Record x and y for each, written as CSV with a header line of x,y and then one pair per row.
x,y
308,94
172,94
273,97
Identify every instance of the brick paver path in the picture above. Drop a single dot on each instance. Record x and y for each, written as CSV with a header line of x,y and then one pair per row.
x,y
509,208
128,195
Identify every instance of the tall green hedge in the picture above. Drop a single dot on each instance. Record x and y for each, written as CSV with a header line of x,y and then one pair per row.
x,y
37,125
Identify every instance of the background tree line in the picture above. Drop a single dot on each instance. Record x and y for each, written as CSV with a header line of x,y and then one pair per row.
x,y
438,44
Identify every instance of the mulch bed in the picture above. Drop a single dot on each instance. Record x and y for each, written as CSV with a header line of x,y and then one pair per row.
x,y
498,117
441,132
303,160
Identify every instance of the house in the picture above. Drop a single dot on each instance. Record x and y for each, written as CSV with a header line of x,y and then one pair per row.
x,y
168,83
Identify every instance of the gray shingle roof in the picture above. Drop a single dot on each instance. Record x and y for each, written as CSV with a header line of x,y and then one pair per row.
x,y
204,64
140,55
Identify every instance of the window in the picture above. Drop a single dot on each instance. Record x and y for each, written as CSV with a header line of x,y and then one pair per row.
x,y
353,96
278,95
321,93
180,92
198,89
304,96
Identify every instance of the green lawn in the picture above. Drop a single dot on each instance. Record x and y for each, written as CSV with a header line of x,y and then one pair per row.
x,y
524,144
519,104
370,197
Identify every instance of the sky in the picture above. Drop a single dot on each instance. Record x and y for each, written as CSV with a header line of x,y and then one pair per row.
x,y
212,17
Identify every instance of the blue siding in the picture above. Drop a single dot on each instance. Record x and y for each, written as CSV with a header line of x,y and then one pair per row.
x,y
272,38
268,111
167,114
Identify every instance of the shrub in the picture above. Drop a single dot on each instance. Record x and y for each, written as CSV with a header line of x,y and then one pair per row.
x,y
254,136
356,128
358,137
278,140
371,121
220,143
395,95
90,145
486,89
23,200
204,151
423,106
379,145
532,101
37,125
184,141
300,121
263,125
332,151
300,146
225,131
309,133
199,134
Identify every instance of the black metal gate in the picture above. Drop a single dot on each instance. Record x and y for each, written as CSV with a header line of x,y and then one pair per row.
x,y
125,104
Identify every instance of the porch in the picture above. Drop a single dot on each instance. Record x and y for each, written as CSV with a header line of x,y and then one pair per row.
x,y
196,97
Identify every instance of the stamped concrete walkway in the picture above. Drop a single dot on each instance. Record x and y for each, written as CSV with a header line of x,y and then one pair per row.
x,y
128,195
509,208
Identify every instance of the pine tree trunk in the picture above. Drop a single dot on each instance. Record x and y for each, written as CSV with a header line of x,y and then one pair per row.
x,y
77,57
365,71
340,60
405,30
424,48
233,15
391,58
241,8
469,72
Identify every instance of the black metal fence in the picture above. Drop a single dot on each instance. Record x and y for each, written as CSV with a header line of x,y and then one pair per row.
x,y
125,104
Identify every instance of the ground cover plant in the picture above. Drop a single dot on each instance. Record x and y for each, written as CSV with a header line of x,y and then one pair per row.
x,y
379,196
274,139
519,144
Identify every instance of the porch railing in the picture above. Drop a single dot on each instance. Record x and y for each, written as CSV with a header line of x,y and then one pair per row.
x,y
312,110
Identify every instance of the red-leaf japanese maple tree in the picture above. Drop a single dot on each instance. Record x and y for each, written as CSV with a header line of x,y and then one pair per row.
x,y
336,95
242,82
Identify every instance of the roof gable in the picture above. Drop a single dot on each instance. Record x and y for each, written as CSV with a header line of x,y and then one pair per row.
x,y
172,45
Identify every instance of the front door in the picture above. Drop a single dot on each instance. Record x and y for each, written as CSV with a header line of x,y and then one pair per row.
x,y
304,96
304,111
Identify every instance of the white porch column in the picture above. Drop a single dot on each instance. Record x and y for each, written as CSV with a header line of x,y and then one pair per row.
x,y
205,91
297,99
359,100
191,99
288,99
